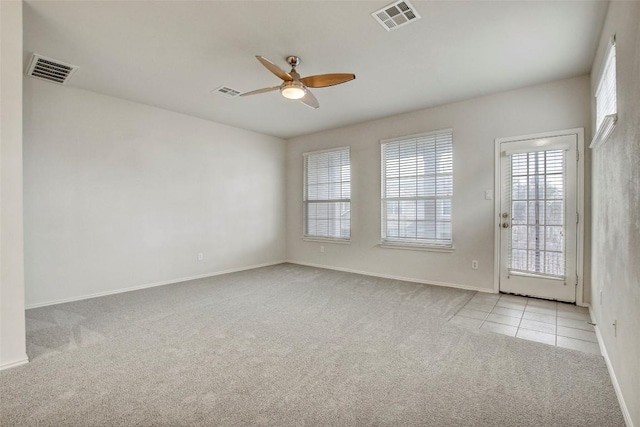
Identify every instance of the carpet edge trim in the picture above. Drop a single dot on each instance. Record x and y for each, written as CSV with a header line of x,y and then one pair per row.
x,y
151,285
389,276
612,374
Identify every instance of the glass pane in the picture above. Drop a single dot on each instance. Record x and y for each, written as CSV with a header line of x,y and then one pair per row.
x,y
536,262
519,188
554,239
555,187
536,238
443,210
518,259
407,229
444,185
443,230
519,212
392,211
519,237
554,263
536,187
554,213
536,213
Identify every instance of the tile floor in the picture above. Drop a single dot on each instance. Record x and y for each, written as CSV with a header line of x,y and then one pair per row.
x,y
548,322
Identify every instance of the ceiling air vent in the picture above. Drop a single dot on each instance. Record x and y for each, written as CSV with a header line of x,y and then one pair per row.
x,y
396,15
49,69
226,91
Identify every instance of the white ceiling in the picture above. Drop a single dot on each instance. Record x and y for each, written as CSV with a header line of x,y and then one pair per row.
x,y
172,54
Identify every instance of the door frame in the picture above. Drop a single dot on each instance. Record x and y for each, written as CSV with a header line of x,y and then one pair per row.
x,y
580,237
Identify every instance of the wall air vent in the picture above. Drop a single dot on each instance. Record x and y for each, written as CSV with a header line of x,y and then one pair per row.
x,y
226,91
396,15
49,69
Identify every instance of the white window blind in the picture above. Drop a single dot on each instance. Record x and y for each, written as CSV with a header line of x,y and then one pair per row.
x,y
327,194
606,103
417,189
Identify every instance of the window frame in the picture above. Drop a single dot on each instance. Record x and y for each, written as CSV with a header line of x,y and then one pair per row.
x,y
305,201
412,244
607,123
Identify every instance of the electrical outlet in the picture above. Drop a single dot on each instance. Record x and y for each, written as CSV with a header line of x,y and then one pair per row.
x,y
488,194
474,264
321,248
200,256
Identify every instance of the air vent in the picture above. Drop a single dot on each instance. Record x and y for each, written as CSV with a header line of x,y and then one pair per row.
x,y
226,91
49,69
396,15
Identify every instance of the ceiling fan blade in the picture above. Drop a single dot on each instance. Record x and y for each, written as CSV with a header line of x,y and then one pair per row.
x,y
324,80
274,68
263,90
310,101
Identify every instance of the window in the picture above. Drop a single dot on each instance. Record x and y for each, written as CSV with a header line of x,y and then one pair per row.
x,y
417,188
606,102
327,194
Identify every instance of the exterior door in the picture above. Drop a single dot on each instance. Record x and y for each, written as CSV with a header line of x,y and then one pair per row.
x,y
538,217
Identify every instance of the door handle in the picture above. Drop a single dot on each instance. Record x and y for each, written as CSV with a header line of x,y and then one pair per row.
x,y
505,225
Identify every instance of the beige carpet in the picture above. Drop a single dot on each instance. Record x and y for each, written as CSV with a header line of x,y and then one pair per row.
x,y
289,346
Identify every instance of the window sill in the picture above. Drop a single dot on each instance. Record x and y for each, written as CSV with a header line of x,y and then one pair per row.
x,y
410,247
605,130
326,240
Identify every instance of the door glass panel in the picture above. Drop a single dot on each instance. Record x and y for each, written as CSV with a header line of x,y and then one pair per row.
x,y
536,243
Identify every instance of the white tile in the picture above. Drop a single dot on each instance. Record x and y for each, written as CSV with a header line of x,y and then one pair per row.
x,y
500,329
536,336
541,303
576,324
513,298
486,297
573,315
509,304
504,320
466,321
572,308
540,310
473,314
479,307
584,346
507,312
539,317
577,334
538,326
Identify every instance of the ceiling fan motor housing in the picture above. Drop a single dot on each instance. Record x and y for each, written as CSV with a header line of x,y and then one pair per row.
x,y
294,61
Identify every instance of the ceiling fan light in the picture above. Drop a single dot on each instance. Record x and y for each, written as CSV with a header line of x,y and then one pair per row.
x,y
293,90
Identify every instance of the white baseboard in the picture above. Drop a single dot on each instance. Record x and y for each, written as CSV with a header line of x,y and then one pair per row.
x,y
614,380
150,285
14,364
389,276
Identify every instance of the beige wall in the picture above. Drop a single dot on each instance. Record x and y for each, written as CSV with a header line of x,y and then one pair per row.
x,y
476,123
120,195
616,211
12,323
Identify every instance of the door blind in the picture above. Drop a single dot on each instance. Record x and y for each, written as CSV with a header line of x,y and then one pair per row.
x,y
417,189
535,190
327,194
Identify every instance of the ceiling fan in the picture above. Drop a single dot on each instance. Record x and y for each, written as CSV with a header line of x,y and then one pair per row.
x,y
295,87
